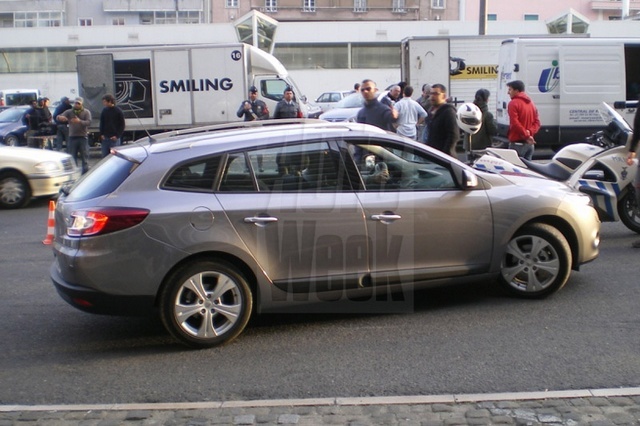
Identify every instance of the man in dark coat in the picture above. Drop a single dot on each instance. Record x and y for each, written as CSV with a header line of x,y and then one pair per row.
x,y
442,128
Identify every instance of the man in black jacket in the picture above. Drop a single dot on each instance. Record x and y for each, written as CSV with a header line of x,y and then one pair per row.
x,y
374,112
111,125
442,128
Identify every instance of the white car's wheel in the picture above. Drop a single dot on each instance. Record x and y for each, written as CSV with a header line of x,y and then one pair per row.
x,y
15,191
206,303
537,262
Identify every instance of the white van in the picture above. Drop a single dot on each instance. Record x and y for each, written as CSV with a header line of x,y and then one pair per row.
x,y
567,78
14,97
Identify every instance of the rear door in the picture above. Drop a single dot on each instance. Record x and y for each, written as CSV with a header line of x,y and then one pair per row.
x,y
300,219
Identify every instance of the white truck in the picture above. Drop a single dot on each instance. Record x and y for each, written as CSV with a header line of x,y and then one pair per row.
x,y
567,78
172,87
462,63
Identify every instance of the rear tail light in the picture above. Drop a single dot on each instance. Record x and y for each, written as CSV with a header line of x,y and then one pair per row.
x,y
102,221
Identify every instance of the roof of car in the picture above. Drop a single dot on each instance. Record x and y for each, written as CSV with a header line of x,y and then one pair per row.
x,y
250,132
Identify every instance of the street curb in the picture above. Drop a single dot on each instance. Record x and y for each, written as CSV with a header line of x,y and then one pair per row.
x,y
377,400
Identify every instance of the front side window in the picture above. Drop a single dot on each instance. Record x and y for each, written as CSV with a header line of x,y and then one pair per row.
x,y
384,167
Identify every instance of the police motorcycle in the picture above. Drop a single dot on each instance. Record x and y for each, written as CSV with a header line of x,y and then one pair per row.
x,y
596,167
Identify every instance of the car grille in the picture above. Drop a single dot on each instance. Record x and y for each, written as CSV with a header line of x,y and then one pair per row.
x,y
67,164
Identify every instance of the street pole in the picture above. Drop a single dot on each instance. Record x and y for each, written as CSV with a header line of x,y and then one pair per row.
x,y
483,17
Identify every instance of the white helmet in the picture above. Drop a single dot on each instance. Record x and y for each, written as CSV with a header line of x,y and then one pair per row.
x,y
469,118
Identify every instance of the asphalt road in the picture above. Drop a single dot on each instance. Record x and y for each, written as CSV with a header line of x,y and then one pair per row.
x,y
469,339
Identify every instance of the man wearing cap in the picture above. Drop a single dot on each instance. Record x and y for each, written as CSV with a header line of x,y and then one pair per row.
x,y
62,131
287,107
253,108
78,118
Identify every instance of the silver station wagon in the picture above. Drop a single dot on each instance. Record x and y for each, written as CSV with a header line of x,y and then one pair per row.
x,y
209,226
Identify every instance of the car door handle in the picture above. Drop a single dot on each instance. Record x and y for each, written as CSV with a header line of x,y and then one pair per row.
x,y
386,217
260,220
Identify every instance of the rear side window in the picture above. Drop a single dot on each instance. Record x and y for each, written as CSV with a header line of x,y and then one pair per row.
x,y
103,180
195,176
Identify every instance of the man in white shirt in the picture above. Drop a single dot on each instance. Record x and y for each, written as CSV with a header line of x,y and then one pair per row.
x,y
410,114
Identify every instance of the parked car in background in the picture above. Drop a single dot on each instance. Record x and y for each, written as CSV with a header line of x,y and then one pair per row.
x,y
12,126
210,225
328,100
347,109
26,173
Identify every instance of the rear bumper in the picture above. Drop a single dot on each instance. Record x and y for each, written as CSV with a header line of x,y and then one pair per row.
x,y
94,302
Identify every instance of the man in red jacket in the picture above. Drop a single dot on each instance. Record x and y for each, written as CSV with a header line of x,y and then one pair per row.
x,y
524,122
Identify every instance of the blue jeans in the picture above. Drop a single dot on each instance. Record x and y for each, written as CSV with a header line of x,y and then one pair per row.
x,y
62,134
107,144
524,150
78,147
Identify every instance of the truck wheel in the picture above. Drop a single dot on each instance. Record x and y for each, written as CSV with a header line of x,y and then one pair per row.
x,y
537,262
15,191
205,303
629,211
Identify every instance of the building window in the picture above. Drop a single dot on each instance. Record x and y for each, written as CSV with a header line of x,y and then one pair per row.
x,y
37,19
530,17
398,6
437,4
271,5
492,17
85,22
117,21
171,17
232,4
359,6
308,5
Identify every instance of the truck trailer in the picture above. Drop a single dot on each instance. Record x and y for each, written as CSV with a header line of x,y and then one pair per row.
x,y
161,88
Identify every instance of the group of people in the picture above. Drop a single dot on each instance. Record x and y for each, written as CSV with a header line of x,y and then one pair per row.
x,y
70,123
255,109
432,119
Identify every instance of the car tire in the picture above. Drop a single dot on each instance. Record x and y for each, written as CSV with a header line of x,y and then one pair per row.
x,y
15,191
205,303
628,210
12,140
537,262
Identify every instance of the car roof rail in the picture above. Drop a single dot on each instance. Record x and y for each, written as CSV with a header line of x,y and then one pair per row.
x,y
234,125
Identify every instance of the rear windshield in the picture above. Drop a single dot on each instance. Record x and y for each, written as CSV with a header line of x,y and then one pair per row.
x,y
102,180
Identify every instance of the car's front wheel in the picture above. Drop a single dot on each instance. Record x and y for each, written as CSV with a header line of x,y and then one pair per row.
x,y
11,140
15,191
206,303
537,262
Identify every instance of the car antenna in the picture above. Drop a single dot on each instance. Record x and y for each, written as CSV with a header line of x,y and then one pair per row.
x,y
133,111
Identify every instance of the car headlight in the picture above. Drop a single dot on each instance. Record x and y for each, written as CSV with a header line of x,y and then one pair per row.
x,y
48,167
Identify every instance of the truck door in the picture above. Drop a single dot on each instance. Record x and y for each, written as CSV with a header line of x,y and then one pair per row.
x,y
591,73
95,79
427,61
173,85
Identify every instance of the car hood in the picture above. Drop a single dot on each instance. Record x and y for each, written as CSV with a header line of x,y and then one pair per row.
x,y
340,114
10,154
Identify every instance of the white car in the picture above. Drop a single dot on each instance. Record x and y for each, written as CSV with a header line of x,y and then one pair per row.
x,y
26,173
328,100
347,109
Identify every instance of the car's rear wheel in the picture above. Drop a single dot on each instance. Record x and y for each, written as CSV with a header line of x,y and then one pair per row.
x,y
15,191
11,140
537,262
206,303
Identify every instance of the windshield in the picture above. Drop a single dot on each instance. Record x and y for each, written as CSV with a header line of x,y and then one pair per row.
x,y
12,114
610,115
354,100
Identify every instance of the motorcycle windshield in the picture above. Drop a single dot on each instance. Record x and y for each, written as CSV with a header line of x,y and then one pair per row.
x,y
617,129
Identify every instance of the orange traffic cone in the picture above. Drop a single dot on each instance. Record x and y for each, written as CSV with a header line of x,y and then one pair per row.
x,y
51,223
